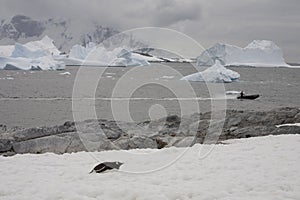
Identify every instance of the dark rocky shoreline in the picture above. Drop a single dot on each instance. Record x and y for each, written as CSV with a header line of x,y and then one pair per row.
x,y
99,135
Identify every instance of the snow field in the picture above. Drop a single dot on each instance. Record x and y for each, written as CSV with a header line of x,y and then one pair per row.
x,y
254,168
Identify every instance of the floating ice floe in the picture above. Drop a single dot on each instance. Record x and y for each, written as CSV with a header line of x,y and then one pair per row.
x,y
259,53
233,92
7,78
65,73
167,77
37,55
100,56
215,74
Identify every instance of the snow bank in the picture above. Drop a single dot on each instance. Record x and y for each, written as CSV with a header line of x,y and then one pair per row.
x,y
259,53
100,56
283,125
215,74
36,55
255,168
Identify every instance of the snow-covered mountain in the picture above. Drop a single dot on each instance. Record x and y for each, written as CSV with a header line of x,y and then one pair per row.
x,y
261,53
65,33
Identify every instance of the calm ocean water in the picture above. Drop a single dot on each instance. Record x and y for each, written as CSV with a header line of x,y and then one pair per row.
x,y
45,97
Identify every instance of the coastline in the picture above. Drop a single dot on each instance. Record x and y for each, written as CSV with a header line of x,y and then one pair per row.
x,y
103,135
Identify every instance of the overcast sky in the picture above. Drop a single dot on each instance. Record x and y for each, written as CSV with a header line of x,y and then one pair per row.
x,y
207,21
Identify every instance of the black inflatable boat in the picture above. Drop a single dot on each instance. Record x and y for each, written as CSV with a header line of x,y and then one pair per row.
x,y
250,97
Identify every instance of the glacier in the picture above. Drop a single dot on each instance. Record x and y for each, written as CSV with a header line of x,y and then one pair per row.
x,y
93,55
259,53
36,55
214,74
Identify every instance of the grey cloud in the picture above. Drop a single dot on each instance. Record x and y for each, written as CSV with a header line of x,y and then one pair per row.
x,y
236,22
176,12
164,12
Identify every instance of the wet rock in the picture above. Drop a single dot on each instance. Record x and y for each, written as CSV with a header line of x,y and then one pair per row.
x,y
185,142
76,145
141,142
252,132
112,134
124,143
56,144
32,133
233,121
297,118
172,121
285,130
161,142
203,125
99,135
8,154
136,142
89,142
5,145
106,145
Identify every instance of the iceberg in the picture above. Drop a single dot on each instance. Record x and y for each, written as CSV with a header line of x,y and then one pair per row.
x,y
259,53
41,63
161,55
147,57
36,55
92,55
79,52
6,50
126,58
215,74
46,44
35,49
22,51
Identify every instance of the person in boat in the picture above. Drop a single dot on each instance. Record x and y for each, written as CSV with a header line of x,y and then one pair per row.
x,y
242,94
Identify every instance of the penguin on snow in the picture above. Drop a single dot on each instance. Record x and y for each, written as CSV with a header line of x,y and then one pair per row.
x,y
106,166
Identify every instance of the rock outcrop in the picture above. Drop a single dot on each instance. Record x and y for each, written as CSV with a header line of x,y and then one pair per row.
x,y
100,135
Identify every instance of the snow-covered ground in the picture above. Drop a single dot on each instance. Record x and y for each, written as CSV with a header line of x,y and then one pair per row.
x,y
215,74
282,125
254,168
259,53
